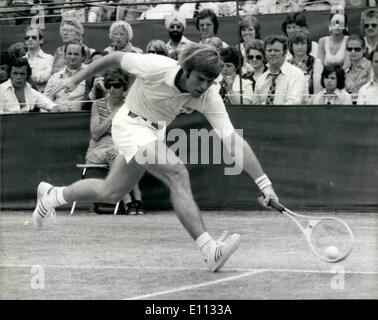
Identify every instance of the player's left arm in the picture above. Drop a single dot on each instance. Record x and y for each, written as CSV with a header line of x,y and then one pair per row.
x,y
239,149
245,158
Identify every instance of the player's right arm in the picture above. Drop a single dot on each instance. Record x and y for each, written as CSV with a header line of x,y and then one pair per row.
x,y
109,61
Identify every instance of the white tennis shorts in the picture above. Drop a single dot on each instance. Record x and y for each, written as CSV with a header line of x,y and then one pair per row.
x,y
130,134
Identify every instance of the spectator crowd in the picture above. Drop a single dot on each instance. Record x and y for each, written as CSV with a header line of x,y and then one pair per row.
x,y
289,68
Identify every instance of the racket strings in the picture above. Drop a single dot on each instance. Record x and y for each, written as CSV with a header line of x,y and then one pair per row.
x,y
331,233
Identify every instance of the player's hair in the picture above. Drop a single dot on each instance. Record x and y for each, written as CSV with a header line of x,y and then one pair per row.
x,y
272,38
18,63
202,58
340,75
216,42
298,37
208,13
250,21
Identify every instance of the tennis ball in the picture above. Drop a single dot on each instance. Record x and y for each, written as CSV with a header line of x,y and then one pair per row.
x,y
332,252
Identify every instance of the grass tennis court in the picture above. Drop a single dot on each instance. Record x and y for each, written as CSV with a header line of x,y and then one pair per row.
x,y
90,256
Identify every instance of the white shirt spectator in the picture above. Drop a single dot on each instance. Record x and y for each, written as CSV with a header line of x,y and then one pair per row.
x,y
72,101
184,42
368,94
42,65
339,97
160,11
291,86
9,102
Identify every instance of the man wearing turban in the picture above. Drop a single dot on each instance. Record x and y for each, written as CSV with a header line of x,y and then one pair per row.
x,y
175,24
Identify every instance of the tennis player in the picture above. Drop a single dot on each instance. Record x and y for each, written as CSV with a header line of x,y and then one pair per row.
x,y
163,88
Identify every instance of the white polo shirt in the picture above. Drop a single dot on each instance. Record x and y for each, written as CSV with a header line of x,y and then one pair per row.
x,y
155,97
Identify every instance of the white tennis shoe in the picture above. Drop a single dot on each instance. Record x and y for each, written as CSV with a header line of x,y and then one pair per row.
x,y
222,251
44,207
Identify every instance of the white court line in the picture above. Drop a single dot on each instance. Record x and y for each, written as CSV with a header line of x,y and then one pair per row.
x,y
105,267
194,286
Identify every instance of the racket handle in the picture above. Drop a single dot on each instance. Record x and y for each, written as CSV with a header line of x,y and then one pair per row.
x,y
276,205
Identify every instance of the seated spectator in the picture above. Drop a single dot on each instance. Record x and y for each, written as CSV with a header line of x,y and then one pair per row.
x,y
40,62
157,11
101,11
101,146
5,62
359,72
369,92
121,33
74,54
176,24
207,24
369,28
332,48
231,81
17,95
157,47
256,58
71,30
191,9
21,11
282,83
249,29
295,22
300,49
333,82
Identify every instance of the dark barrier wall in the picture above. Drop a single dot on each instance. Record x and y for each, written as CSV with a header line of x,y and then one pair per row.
x,y
325,157
96,34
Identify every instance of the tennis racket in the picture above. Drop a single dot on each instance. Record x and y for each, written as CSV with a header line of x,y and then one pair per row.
x,y
329,238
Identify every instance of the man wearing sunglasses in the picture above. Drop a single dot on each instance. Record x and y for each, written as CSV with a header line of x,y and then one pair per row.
x,y
163,89
369,28
40,62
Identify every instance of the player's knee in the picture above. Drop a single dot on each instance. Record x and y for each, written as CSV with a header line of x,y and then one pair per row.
x,y
178,176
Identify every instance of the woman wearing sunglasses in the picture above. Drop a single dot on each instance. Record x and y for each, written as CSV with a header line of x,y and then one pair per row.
x,y
360,70
255,56
101,146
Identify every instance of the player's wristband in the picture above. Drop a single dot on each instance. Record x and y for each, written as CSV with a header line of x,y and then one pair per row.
x,y
263,182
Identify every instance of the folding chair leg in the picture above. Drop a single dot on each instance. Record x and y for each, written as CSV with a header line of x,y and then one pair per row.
x,y
116,208
73,208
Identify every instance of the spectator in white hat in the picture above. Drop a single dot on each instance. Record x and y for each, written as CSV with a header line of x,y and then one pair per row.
x,y
175,24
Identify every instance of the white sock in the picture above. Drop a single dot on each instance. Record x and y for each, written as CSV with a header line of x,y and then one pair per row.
x,y
205,242
56,196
